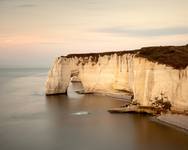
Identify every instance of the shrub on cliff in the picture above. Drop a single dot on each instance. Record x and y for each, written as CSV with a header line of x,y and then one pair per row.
x,y
162,103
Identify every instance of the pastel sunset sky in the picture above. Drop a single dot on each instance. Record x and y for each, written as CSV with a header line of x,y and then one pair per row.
x,y
34,32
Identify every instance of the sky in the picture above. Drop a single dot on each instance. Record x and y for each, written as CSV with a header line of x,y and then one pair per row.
x,y
34,32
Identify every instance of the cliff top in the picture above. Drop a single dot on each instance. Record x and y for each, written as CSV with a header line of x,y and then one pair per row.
x,y
175,56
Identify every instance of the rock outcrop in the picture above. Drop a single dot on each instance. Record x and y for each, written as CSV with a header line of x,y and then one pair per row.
x,y
141,72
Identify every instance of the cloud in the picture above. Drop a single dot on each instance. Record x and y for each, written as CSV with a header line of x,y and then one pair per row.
x,y
26,5
144,32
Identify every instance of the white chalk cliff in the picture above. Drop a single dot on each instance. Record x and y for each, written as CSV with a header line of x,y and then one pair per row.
x,y
126,72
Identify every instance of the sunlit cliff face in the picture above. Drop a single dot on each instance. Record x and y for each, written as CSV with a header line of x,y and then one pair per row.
x,y
129,71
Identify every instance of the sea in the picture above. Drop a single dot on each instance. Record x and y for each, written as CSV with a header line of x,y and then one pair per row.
x,y
29,120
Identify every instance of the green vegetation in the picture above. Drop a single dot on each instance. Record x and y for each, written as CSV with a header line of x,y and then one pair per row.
x,y
174,56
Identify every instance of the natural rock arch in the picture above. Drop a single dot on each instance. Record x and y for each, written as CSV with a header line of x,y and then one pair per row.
x,y
124,72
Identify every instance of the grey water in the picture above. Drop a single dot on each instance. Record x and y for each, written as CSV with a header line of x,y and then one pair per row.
x,y
31,121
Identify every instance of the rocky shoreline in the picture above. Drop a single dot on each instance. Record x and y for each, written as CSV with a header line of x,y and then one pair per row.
x,y
127,97
164,115
175,120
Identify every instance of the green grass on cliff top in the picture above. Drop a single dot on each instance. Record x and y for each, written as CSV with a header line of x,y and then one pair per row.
x,y
174,56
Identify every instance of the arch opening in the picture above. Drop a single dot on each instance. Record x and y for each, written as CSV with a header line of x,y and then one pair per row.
x,y
75,85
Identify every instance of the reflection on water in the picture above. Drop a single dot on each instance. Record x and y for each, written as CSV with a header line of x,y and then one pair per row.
x,y
29,120
81,113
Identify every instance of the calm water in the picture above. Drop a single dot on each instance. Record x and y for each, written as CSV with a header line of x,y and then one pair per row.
x,y
31,121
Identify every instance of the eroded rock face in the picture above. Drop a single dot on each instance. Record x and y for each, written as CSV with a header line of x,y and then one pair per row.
x,y
145,79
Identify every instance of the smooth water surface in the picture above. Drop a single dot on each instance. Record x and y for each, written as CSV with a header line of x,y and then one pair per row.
x,y
31,121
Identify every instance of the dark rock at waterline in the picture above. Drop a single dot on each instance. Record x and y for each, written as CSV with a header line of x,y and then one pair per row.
x,y
135,109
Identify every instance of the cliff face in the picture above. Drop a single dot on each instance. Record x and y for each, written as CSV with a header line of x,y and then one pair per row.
x,y
146,79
